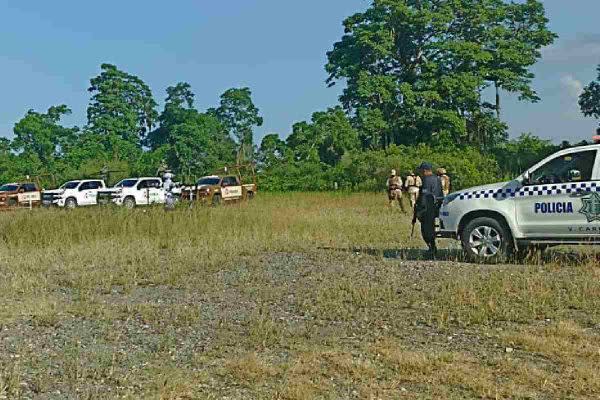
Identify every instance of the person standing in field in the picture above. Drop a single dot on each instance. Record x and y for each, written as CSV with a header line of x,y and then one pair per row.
x,y
394,186
445,179
413,183
427,208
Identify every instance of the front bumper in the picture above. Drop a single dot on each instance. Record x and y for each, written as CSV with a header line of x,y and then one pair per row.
x,y
107,198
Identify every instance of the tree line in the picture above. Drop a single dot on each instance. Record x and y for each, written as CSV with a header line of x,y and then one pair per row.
x,y
423,79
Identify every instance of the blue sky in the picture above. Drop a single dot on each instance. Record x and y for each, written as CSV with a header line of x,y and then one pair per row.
x,y
50,50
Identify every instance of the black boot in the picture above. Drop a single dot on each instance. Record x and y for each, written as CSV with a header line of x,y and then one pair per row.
x,y
432,253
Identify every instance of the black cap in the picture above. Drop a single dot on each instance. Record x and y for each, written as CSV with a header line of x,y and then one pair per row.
x,y
425,166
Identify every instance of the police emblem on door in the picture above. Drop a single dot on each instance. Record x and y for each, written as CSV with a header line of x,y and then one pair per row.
x,y
591,207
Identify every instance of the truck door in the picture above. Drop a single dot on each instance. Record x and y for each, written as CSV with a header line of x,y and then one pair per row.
x,y
29,194
231,189
562,198
88,193
149,192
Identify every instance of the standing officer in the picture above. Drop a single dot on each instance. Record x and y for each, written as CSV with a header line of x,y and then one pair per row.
x,y
168,188
394,185
445,179
427,208
413,183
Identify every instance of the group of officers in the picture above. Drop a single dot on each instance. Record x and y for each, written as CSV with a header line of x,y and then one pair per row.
x,y
426,192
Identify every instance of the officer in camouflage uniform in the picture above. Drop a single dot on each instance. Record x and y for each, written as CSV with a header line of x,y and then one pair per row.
x,y
428,203
445,179
394,186
412,184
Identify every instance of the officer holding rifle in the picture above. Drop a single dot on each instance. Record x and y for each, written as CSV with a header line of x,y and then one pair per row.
x,y
428,205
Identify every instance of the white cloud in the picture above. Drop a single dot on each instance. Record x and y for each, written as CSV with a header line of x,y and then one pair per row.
x,y
573,86
583,48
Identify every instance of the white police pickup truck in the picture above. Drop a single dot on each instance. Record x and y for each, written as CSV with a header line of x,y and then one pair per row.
x,y
134,192
73,194
555,202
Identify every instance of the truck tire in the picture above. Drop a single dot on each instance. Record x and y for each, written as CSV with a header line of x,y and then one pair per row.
x,y
129,203
486,240
70,203
216,200
250,195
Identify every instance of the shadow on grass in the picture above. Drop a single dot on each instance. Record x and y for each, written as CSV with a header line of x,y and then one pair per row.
x,y
563,257
404,254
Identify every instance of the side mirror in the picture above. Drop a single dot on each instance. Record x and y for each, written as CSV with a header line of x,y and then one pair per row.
x,y
527,178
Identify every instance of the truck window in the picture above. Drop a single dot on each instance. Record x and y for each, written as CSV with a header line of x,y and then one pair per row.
x,y
127,183
572,167
93,185
9,188
230,181
149,183
70,185
29,187
142,185
208,181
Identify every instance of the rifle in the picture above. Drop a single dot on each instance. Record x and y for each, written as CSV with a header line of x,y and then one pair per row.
x,y
414,222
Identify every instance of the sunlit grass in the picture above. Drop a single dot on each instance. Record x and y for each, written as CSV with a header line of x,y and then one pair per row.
x,y
291,296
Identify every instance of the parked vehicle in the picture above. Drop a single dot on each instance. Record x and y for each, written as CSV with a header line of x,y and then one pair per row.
x,y
21,194
134,192
557,201
74,194
224,187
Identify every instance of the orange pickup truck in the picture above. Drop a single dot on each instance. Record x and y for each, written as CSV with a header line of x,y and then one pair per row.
x,y
20,195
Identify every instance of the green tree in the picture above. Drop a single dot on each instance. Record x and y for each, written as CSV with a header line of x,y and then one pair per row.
x,y
40,140
199,145
8,167
424,64
272,151
519,154
122,111
590,98
239,116
326,139
179,105
335,135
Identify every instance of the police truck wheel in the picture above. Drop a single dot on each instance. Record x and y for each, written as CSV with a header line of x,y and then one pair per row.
x,y
129,203
485,240
250,195
216,200
70,203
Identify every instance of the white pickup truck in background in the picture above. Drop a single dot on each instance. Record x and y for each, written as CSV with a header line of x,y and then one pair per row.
x,y
74,194
134,192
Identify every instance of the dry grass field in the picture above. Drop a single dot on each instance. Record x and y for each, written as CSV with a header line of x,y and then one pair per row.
x,y
299,296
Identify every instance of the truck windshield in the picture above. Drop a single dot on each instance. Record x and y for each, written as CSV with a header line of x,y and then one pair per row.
x,y
9,188
70,185
208,181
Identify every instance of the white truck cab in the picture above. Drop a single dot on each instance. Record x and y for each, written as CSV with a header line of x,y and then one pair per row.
x,y
557,201
74,194
134,192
